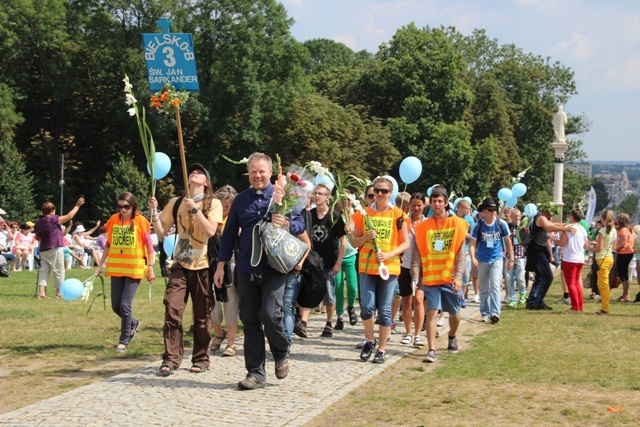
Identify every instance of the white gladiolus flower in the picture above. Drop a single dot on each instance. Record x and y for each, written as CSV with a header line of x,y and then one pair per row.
x,y
131,111
130,99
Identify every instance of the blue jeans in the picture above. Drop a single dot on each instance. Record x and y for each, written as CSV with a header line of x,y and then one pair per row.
x,y
291,291
369,284
490,279
542,283
516,275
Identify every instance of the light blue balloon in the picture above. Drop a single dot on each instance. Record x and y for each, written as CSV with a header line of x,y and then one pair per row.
x,y
468,199
431,188
531,209
324,179
71,289
410,169
455,203
504,194
519,189
161,166
511,202
169,244
395,190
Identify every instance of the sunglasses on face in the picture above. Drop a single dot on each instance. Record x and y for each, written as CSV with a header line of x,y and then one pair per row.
x,y
381,191
370,196
125,207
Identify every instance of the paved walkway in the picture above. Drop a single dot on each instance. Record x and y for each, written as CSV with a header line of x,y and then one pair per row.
x,y
322,370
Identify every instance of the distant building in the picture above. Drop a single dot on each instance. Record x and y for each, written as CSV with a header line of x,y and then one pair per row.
x,y
617,186
582,168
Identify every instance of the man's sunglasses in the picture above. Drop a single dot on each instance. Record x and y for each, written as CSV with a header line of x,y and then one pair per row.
x,y
381,190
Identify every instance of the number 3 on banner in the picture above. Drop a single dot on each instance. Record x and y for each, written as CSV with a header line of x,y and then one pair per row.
x,y
170,61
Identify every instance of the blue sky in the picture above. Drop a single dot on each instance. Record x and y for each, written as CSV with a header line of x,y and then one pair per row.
x,y
599,40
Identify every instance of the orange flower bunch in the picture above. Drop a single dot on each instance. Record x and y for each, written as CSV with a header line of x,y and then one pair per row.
x,y
169,99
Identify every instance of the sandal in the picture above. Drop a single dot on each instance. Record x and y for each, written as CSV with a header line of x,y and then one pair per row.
x,y
197,369
42,297
418,342
408,339
166,370
217,342
229,351
623,299
121,349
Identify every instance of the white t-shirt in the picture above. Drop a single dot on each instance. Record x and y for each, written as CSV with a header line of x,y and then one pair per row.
x,y
573,251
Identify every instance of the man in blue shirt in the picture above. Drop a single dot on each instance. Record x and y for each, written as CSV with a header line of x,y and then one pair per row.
x,y
261,288
488,239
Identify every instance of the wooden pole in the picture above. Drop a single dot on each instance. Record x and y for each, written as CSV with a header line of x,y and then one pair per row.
x,y
182,156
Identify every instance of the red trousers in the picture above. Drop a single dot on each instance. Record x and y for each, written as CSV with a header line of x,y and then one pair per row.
x,y
572,272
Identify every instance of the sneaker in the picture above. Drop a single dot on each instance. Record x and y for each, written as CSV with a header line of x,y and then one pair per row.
x,y
353,318
637,297
379,357
485,320
453,345
361,344
476,299
251,383
417,342
463,303
407,340
565,301
512,304
523,299
377,322
495,319
430,357
339,324
327,332
440,322
506,299
602,312
365,354
597,298
300,329
393,328
544,306
282,369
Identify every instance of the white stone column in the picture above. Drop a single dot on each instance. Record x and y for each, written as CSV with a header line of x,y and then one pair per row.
x,y
558,176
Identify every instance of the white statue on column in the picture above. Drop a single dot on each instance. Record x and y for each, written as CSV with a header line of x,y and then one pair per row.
x,y
559,120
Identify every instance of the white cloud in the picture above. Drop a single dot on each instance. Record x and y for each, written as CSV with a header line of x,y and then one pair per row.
x,y
626,77
578,47
348,40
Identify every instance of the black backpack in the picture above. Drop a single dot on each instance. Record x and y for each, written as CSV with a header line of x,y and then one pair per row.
x,y
314,282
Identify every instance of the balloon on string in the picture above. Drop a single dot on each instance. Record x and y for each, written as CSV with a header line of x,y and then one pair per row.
x,y
169,244
395,190
455,203
519,189
531,209
511,202
161,166
324,179
468,199
504,194
71,289
410,169
431,188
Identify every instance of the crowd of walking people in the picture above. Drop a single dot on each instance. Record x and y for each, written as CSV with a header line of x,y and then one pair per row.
x,y
416,256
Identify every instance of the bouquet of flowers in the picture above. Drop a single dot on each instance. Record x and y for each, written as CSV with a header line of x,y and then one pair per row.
x,y
292,190
168,100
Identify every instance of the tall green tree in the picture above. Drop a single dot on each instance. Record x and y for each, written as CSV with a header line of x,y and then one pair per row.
x,y
123,176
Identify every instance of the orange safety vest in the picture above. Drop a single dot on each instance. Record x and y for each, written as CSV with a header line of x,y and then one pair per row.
x,y
127,250
388,239
438,265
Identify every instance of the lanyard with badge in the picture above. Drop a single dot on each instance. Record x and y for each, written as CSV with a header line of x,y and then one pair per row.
x,y
439,243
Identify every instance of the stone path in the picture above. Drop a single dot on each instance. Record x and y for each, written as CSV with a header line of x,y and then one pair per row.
x,y
322,370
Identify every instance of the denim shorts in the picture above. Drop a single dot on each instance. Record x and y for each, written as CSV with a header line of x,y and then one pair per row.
x,y
442,296
330,296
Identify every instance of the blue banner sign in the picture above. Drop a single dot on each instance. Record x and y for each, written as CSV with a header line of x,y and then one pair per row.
x,y
170,59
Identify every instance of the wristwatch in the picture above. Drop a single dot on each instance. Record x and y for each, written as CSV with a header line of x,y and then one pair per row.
x,y
194,210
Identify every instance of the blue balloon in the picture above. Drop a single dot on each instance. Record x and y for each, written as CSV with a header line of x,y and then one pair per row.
x,y
324,179
504,194
395,190
455,203
468,199
431,188
410,169
511,202
161,166
531,209
169,244
519,189
71,289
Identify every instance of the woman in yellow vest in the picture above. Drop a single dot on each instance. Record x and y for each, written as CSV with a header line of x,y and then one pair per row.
x,y
389,233
129,255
